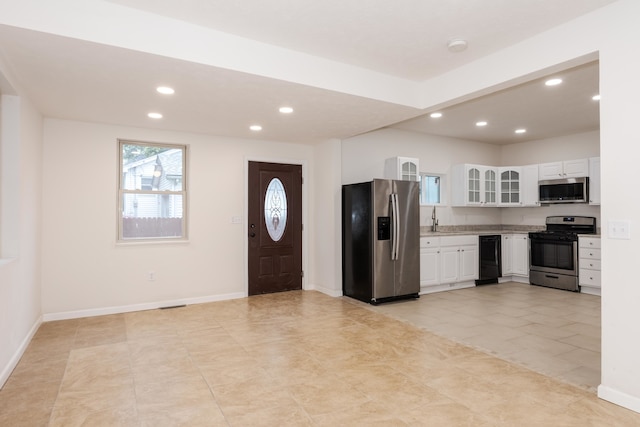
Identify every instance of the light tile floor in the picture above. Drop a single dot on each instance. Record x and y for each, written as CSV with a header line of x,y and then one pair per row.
x,y
550,331
291,359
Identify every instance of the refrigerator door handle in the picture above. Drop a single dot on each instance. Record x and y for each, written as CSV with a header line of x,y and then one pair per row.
x,y
395,222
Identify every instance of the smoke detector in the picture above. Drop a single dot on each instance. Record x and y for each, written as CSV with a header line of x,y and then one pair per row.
x,y
457,45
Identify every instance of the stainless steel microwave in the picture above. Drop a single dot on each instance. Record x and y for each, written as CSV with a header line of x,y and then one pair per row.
x,y
566,190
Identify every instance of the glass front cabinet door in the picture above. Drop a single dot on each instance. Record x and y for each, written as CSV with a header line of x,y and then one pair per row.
x,y
474,185
509,186
403,168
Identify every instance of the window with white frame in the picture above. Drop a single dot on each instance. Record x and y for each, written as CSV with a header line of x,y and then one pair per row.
x,y
431,189
152,191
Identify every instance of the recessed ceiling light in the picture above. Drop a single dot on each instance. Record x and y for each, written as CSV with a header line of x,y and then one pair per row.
x,y
154,115
286,110
165,90
521,131
553,82
481,123
255,128
436,115
596,97
457,45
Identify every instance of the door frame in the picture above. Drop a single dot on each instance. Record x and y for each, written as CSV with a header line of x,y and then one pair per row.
x,y
245,225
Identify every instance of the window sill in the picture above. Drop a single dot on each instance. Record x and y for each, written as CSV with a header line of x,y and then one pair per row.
x,y
151,242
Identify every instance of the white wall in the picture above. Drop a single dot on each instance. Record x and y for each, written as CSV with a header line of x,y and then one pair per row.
x,y
567,147
20,212
620,89
86,272
363,156
326,222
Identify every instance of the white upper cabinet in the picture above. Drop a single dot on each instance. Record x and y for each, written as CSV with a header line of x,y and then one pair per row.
x,y
474,185
567,169
530,193
403,168
550,171
510,180
594,181
517,186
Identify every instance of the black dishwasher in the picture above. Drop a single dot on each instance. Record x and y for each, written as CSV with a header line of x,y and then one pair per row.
x,y
490,259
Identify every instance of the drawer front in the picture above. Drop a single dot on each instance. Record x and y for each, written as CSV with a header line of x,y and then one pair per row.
x,y
589,277
591,264
589,242
429,242
589,253
459,240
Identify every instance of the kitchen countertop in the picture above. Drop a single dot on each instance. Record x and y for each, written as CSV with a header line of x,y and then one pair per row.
x,y
453,230
483,230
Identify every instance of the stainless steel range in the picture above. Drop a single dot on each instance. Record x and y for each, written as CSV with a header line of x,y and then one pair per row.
x,y
553,254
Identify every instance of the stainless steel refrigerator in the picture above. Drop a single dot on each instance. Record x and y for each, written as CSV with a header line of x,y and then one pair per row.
x,y
381,240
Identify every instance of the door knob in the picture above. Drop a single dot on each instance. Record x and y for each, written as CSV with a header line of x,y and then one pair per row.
x,y
252,234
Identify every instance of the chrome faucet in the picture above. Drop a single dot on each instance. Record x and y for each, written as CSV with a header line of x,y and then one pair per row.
x,y
434,226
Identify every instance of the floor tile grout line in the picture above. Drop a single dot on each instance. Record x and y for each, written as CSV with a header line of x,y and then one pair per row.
x,y
64,374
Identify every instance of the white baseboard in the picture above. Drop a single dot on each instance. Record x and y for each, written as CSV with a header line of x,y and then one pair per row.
x,y
445,287
327,291
518,279
13,362
619,398
590,291
138,307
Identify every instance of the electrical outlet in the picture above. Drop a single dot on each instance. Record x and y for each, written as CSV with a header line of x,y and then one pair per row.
x,y
151,276
619,230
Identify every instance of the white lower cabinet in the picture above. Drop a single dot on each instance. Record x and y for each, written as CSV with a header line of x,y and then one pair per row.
x,y
448,262
515,257
521,255
507,254
459,263
589,275
429,261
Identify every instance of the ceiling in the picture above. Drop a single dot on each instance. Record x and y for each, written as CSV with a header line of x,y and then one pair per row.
x,y
74,66
543,111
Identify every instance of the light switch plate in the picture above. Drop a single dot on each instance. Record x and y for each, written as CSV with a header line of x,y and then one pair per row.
x,y
619,230
236,220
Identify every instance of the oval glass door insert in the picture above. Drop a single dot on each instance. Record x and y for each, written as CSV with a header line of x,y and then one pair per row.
x,y
275,209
